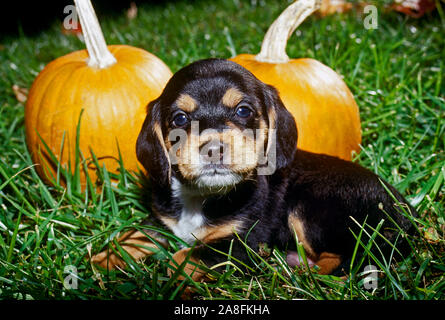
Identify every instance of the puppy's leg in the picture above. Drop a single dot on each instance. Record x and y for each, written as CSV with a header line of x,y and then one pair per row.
x,y
135,243
326,261
191,268
209,255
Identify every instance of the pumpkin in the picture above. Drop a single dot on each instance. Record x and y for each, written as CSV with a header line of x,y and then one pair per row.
x,y
324,109
111,86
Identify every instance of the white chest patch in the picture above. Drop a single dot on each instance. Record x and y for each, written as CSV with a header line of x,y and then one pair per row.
x,y
192,219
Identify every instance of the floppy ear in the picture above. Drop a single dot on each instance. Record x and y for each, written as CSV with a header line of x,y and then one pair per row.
x,y
282,131
150,146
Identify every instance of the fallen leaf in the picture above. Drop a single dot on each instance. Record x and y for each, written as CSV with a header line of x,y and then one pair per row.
x,y
73,30
432,236
21,94
264,250
329,7
132,12
414,8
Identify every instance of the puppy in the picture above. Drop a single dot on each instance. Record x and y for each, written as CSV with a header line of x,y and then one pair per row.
x,y
221,153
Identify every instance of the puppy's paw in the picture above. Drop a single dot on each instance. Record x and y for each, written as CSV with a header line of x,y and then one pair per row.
x,y
293,259
135,243
326,262
108,260
191,268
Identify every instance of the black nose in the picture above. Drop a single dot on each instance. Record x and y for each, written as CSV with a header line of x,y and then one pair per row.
x,y
216,151
212,152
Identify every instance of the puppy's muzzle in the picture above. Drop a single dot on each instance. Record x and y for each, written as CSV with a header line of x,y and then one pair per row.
x,y
212,153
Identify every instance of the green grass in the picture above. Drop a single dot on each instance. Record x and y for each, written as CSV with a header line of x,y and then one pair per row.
x,y
396,73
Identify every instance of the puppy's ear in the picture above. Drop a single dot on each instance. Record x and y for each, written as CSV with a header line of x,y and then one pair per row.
x,y
282,133
150,146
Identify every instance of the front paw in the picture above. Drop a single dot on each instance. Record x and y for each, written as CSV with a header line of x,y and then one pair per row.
x,y
135,243
191,268
108,260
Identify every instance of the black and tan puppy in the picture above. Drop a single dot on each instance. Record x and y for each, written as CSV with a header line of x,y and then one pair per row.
x,y
220,150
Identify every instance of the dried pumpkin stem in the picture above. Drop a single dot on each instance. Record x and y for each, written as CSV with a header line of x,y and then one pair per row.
x,y
273,48
99,55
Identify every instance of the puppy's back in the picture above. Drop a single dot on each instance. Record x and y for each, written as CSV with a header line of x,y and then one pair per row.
x,y
334,197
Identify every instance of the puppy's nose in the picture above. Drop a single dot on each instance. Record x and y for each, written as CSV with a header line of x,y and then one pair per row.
x,y
212,152
216,151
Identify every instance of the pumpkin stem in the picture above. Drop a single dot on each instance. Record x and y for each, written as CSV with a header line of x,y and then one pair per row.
x,y
99,55
273,48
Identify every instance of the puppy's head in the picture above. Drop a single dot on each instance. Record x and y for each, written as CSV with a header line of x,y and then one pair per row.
x,y
215,125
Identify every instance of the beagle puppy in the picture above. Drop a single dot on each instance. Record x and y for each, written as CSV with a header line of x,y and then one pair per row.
x,y
221,153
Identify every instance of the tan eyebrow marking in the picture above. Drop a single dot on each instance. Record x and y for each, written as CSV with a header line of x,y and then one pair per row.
x,y
232,97
186,103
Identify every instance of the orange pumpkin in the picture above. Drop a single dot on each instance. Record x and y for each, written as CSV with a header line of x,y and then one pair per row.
x,y
112,85
324,108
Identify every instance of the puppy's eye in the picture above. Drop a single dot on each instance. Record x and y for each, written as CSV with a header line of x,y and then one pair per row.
x,y
180,120
243,111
